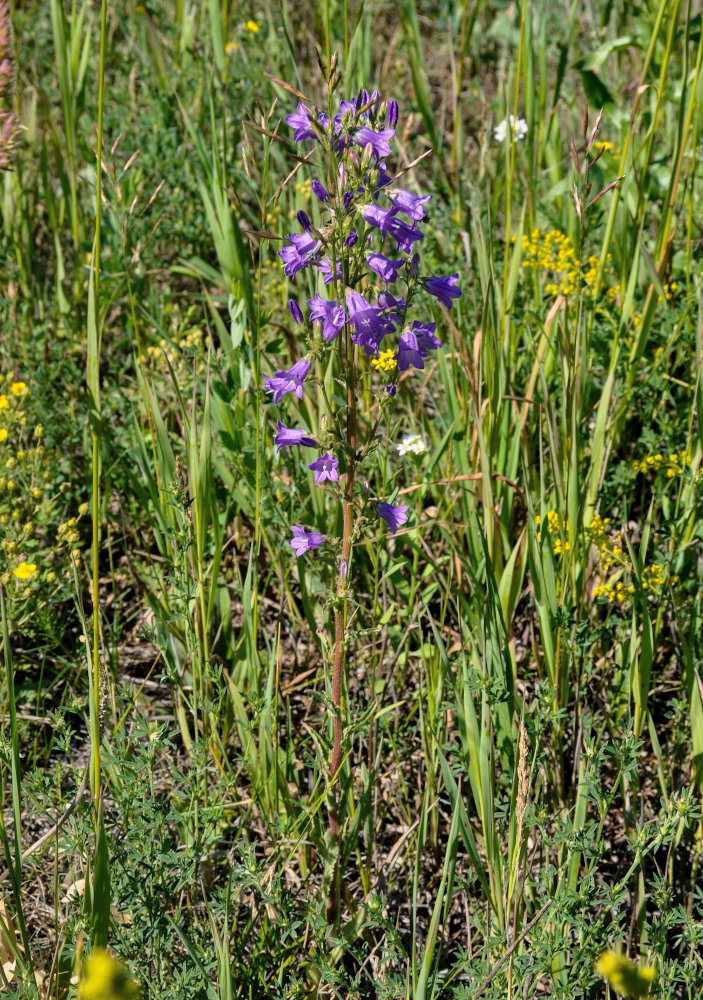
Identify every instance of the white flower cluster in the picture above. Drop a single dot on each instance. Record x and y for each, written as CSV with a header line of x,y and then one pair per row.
x,y
412,443
518,126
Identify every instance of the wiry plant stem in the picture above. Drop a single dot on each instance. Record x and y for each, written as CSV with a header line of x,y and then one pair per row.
x,y
340,616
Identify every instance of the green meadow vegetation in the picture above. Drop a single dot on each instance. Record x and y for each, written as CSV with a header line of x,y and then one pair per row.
x,y
452,751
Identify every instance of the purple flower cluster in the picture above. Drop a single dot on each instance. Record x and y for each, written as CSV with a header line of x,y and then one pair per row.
x,y
359,242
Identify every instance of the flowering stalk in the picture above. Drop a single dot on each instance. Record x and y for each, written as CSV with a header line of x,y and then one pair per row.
x,y
362,212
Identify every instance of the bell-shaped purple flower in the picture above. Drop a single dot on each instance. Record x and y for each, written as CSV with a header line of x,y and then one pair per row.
x,y
426,339
288,380
288,436
379,217
325,269
444,289
305,541
392,307
384,268
303,249
383,180
329,314
393,516
300,121
410,204
379,141
325,467
409,353
403,234
370,325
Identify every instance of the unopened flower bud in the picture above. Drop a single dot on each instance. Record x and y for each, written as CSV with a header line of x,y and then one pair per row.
x,y
304,220
367,158
319,191
392,115
365,486
391,390
343,569
348,198
351,238
415,265
295,311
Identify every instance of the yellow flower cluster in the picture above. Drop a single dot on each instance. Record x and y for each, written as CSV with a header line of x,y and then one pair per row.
x,y
626,978
615,593
29,495
104,978
653,577
385,362
609,548
675,463
553,253
557,531
610,554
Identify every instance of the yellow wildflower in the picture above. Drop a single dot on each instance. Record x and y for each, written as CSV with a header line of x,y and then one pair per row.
x,y
25,570
19,389
251,26
4,402
385,362
3,434
624,976
104,978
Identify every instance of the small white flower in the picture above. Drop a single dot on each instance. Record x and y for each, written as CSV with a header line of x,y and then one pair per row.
x,y
518,126
412,443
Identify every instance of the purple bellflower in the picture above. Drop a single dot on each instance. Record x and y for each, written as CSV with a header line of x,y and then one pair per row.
x,y
305,541
444,289
409,204
290,380
379,217
426,339
370,325
393,516
300,121
325,467
300,253
384,268
379,141
403,234
288,436
330,315
409,353
384,179
392,306
325,269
